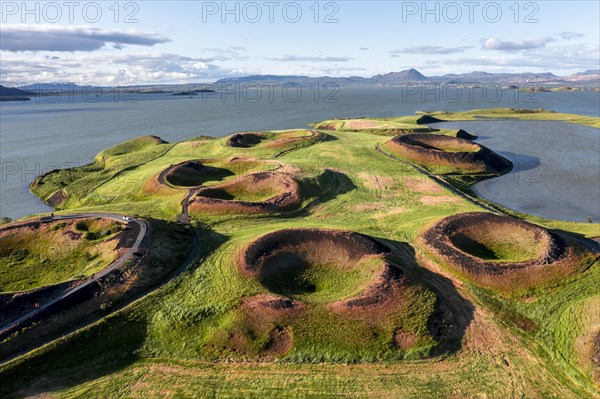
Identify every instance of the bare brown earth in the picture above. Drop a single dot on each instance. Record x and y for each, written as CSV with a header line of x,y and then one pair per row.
x,y
56,199
344,248
555,257
404,340
245,140
15,304
327,126
291,138
381,297
270,308
353,244
455,154
422,184
280,341
288,195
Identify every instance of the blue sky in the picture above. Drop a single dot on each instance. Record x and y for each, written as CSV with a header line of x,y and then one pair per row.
x,y
188,41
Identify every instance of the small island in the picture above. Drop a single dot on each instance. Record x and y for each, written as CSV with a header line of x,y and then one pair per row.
x,y
193,92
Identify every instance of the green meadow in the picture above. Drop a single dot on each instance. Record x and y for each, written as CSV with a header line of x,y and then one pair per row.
x,y
192,337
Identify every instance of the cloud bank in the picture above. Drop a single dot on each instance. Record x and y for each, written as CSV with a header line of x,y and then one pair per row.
x,y
511,46
71,38
428,50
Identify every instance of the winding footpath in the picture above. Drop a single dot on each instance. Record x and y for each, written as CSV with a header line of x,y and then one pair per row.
x,y
143,228
184,216
440,181
590,244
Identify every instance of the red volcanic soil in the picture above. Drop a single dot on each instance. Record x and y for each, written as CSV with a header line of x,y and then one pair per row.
x,y
463,242
280,341
273,252
222,198
456,154
280,140
56,199
245,140
289,138
354,244
268,308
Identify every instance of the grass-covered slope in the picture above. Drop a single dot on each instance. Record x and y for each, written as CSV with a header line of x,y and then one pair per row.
x,y
37,255
511,113
199,335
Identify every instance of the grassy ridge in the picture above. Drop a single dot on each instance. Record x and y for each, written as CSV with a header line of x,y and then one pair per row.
x,y
533,115
162,345
54,253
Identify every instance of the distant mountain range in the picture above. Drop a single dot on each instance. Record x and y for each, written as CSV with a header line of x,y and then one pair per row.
x,y
414,76
13,92
589,78
410,75
56,87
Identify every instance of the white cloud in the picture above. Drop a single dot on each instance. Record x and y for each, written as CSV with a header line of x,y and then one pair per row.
x,y
140,68
570,35
431,50
511,46
300,58
556,58
71,38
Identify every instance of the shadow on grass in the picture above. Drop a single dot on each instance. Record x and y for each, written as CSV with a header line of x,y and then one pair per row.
x,y
453,313
89,354
328,186
190,174
112,344
591,244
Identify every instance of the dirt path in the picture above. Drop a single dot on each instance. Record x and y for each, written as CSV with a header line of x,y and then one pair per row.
x,y
191,256
440,181
184,216
23,321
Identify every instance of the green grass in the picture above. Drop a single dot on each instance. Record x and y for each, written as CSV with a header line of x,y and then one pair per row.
x,y
318,283
379,126
277,142
499,113
242,192
516,246
48,255
176,342
507,251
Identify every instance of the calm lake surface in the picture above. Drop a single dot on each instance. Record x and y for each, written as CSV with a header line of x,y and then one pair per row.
x,y
556,171
48,133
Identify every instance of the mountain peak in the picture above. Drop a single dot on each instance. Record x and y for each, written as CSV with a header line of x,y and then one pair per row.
x,y
407,75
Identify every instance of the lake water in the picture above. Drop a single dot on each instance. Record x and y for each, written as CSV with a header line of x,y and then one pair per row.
x,y
47,133
556,171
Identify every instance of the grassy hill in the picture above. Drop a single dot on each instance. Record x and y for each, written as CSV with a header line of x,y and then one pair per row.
x,y
395,322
